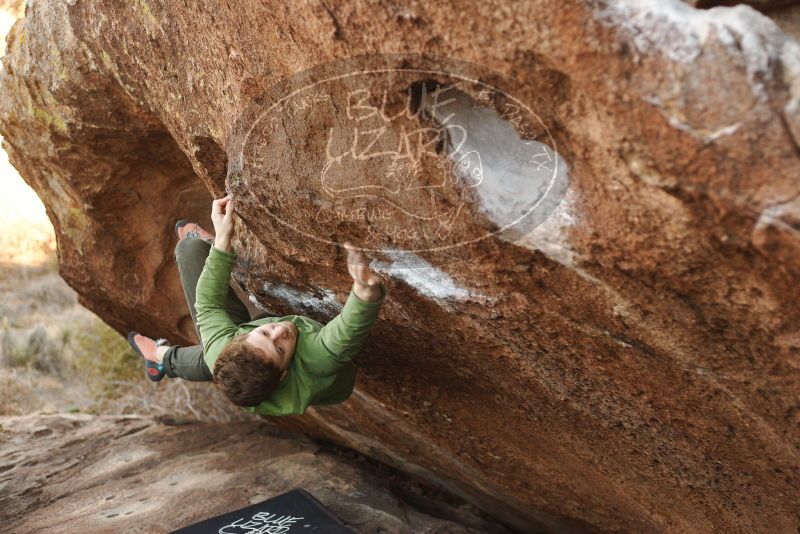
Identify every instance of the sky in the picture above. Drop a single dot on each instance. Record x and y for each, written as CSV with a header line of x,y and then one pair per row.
x,y
26,234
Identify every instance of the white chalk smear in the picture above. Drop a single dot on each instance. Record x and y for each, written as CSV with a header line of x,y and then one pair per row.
x,y
550,236
326,304
421,275
252,298
681,32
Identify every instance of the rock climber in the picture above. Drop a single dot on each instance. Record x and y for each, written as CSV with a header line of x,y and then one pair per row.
x,y
270,365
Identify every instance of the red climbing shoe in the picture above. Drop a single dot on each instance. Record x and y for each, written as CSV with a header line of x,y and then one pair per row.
x,y
146,348
186,229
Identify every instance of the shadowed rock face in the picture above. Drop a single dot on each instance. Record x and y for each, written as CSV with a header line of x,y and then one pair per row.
x,y
629,364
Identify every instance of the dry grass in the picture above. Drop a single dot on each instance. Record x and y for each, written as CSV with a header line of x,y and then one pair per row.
x,y
57,356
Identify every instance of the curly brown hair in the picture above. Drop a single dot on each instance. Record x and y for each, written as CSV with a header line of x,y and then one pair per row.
x,y
245,374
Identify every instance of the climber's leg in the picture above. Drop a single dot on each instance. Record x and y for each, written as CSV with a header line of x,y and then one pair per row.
x,y
186,363
190,255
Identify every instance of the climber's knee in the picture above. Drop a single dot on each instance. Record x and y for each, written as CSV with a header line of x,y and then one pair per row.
x,y
191,246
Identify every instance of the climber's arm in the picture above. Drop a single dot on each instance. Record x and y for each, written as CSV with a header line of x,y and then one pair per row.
x,y
213,322
341,339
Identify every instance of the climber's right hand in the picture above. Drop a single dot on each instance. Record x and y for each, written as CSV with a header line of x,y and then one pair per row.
x,y
222,217
366,283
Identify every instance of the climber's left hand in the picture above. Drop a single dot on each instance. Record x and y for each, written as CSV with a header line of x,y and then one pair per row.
x,y
222,217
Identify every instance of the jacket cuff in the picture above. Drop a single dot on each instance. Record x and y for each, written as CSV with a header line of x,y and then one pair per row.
x,y
373,302
226,256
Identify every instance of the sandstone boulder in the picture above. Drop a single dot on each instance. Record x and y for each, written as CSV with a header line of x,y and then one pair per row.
x,y
627,361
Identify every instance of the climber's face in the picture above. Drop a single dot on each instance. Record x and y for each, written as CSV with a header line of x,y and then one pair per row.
x,y
277,340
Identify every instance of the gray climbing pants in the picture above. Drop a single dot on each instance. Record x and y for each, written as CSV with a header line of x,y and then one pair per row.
x,y
188,362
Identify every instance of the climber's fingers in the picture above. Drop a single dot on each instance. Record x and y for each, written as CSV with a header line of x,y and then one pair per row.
x,y
354,259
358,268
353,255
369,278
219,205
229,210
222,216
